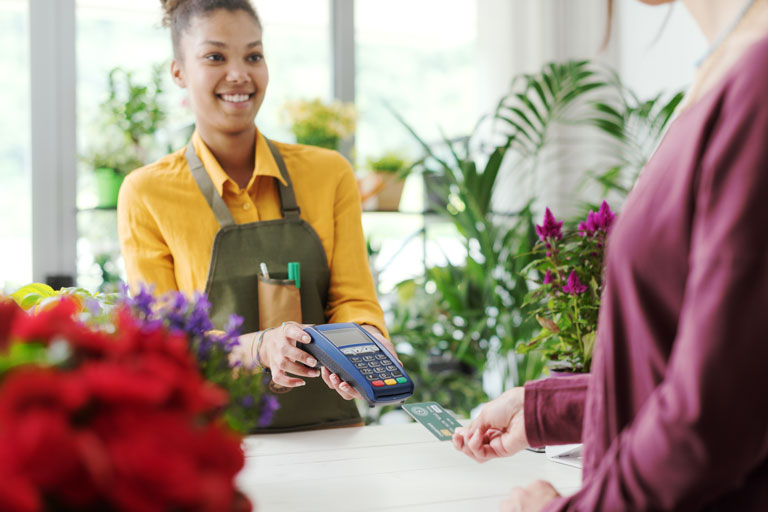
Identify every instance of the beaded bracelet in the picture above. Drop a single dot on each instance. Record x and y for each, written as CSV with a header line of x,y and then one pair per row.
x,y
255,357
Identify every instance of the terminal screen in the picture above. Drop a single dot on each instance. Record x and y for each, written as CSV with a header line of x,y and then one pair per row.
x,y
346,336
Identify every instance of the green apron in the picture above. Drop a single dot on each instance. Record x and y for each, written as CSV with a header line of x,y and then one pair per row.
x,y
232,287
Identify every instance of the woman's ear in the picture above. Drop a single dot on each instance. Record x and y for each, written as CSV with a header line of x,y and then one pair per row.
x,y
177,74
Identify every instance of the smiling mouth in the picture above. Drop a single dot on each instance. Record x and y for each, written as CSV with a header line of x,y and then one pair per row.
x,y
235,98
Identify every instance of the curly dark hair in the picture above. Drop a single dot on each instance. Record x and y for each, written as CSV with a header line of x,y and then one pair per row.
x,y
179,13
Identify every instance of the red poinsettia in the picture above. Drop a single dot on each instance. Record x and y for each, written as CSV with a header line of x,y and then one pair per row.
x,y
123,422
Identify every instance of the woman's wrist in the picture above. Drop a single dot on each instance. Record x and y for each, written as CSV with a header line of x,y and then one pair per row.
x,y
256,354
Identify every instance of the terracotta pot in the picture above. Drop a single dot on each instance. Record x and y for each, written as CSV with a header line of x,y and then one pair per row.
x,y
381,191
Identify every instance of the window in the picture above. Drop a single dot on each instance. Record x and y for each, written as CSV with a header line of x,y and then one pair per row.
x,y
129,34
419,57
15,179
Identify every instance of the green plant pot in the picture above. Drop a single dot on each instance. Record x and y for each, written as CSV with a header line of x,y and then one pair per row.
x,y
107,187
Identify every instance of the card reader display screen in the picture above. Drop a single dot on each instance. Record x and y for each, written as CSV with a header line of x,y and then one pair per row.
x,y
346,336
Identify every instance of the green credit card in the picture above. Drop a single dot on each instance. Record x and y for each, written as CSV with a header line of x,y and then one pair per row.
x,y
436,419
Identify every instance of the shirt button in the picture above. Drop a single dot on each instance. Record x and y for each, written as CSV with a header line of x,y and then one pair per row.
x,y
246,206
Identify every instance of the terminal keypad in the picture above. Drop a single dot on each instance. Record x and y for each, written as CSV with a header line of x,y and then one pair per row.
x,y
377,367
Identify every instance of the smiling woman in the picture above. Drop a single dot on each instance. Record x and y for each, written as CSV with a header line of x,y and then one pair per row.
x,y
205,218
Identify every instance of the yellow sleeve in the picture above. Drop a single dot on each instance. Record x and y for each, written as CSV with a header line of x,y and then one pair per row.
x,y
352,295
147,257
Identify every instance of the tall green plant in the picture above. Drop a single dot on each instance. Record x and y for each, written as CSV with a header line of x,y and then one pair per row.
x,y
470,312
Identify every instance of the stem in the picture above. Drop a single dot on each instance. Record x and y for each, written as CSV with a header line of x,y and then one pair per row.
x,y
578,329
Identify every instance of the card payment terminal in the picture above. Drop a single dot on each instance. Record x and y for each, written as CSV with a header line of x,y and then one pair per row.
x,y
353,354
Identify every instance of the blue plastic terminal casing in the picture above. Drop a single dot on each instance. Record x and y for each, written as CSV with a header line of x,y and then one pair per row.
x,y
349,351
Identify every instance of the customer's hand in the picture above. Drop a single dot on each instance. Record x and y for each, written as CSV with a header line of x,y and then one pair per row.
x,y
279,353
498,431
344,389
529,499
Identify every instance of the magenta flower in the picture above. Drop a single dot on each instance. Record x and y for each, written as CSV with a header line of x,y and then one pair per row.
x,y
574,286
600,221
548,277
550,228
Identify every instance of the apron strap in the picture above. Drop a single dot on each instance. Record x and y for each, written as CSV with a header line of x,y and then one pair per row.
x,y
217,204
288,206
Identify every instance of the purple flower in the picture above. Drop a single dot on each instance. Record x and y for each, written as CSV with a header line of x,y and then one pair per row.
x,y
141,303
574,286
550,228
198,321
548,277
269,405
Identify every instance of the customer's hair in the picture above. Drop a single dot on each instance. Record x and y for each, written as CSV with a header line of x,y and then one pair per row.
x,y
608,24
179,13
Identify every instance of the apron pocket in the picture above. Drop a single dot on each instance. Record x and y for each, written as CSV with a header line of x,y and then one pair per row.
x,y
279,301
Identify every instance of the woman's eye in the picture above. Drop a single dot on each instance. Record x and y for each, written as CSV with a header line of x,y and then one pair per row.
x,y
255,57
215,57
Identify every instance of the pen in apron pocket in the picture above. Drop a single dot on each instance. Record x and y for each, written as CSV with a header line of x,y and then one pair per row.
x,y
264,271
294,273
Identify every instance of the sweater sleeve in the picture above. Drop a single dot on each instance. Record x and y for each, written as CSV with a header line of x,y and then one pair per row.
x,y
352,295
148,258
705,427
554,409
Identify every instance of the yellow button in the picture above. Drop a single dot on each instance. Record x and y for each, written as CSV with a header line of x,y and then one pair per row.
x,y
246,206
390,382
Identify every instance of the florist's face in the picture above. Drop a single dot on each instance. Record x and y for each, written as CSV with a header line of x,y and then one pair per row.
x,y
222,66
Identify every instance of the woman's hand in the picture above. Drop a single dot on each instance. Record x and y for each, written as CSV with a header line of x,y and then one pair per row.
x,y
498,431
279,353
346,391
529,499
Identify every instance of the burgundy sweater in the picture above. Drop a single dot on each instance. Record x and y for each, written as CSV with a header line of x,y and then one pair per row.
x,y
675,412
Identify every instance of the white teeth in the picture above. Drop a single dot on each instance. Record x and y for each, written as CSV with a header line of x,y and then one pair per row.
x,y
235,98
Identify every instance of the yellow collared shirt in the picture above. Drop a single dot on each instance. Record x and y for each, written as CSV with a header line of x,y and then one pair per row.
x,y
161,247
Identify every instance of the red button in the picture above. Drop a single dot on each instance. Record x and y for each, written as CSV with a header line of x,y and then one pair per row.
x,y
378,383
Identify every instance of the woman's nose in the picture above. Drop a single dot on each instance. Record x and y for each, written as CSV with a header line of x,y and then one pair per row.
x,y
237,75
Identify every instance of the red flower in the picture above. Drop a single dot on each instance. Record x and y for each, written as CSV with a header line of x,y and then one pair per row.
x,y
8,312
127,422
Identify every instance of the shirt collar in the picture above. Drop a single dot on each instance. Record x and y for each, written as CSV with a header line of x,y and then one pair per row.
x,y
265,164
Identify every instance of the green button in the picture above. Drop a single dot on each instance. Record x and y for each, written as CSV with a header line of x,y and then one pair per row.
x,y
402,380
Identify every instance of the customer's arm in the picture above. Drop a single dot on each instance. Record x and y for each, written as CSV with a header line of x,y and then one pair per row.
x,y
548,411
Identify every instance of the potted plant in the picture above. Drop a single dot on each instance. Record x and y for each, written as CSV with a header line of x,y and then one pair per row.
x,y
382,187
478,311
566,302
316,123
129,118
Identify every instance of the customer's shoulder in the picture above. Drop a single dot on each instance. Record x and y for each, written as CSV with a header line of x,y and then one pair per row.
x,y
748,85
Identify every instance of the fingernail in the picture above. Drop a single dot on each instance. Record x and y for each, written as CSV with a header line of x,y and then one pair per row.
x,y
311,362
305,337
302,383
317,373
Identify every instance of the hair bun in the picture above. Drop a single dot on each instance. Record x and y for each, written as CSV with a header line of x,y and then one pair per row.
x,y
169,6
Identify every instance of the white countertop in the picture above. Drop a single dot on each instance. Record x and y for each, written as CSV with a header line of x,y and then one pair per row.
x,y
392,467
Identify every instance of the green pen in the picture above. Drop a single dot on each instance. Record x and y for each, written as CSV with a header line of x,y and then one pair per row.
x,y
294,273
